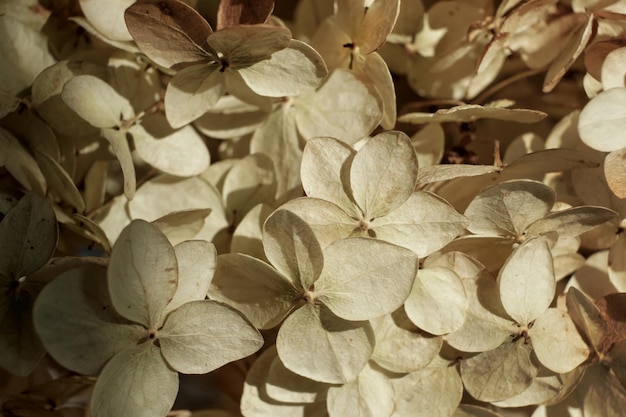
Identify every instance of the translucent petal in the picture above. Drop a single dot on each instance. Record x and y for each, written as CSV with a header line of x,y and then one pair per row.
x,y
571,222
21,165
28,237
251,181
343,107
156,199
369,395
278,138
576,44
108,18
500,373
486,324
193,91
587,317
526,281
247,238
168,32
235,12
325,171
378,21
243,46
383,173
556,341
177,152
429,144
545,387
376,71
424,223
230,118
26,52
614,169
328,221
137,382
142,274
365,278
436,173
292,248
316,344
617,263
96,101
60,180
179,226
400,346
612,72
491,251
121,149
76,321
603,121
283,385
256,289
602,393
330,38
201,336
508,209
294,70
434,391
255,401
437,303
472,112
197,260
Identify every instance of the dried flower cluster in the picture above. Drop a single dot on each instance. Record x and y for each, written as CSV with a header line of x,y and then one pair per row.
x,y
319,208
